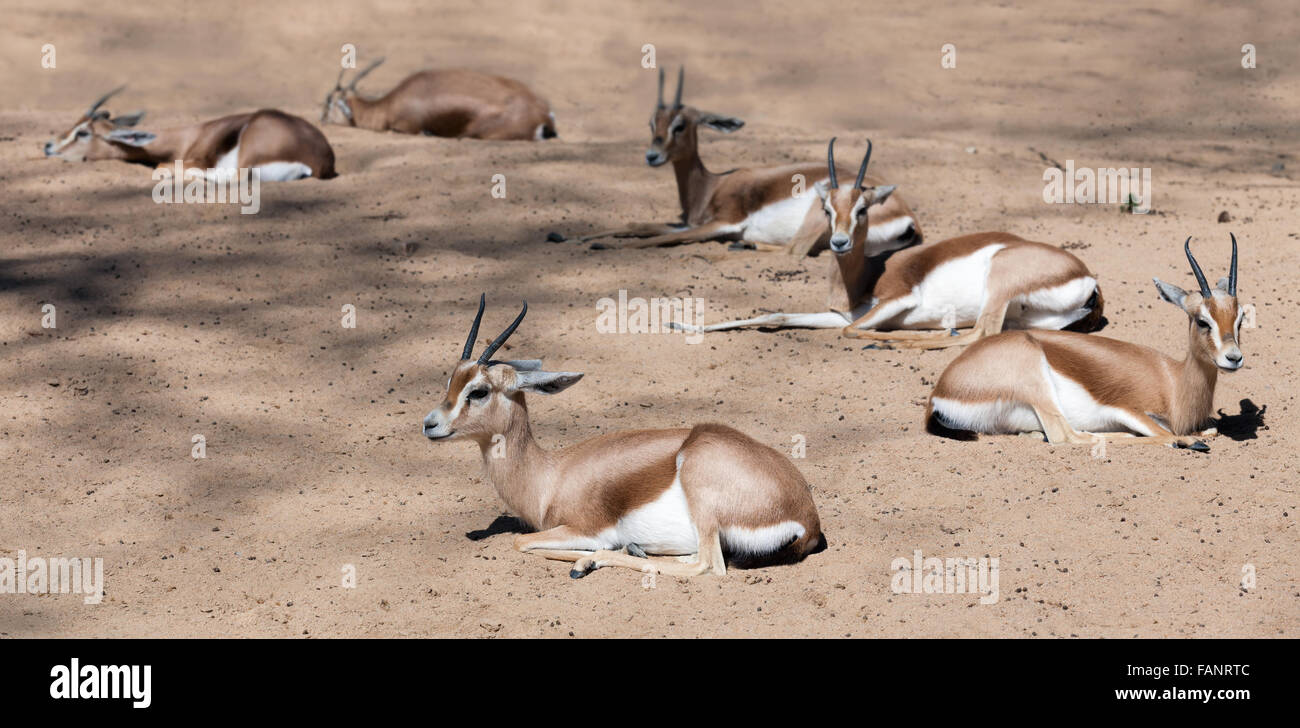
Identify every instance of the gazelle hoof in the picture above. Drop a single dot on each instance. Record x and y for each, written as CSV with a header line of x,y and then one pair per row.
x,y
1199,446
582,568
953,332
741,245
598,246
636,551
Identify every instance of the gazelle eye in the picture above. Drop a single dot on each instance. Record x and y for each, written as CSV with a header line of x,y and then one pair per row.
x,y
83,133
1203,324
479,393
678,127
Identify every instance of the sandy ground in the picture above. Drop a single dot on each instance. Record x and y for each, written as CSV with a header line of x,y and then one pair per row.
x,y
192,319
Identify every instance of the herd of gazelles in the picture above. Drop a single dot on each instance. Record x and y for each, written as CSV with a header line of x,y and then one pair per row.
x,y
710,495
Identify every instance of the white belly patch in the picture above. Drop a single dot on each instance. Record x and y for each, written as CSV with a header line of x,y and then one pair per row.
x,y
1083,412
662,526
953,294
778,222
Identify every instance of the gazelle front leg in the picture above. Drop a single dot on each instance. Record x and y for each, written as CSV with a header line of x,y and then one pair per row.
x,y
708,559
703,233
821,320
1059,430
879,313
561,543
1159,435
635,230
989,323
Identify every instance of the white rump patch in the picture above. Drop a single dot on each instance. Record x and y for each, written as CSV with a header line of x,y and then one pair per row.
x,y
283,171
878,235
1051,308
760,541
996,417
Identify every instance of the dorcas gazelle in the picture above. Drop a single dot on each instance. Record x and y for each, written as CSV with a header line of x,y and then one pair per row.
x,y
764,206
1072,387
280,146
445,103
990,281
615,499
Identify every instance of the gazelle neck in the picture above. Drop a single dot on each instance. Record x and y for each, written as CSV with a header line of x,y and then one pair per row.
x,y
1194,390
366,113
860,273
694,184
519,469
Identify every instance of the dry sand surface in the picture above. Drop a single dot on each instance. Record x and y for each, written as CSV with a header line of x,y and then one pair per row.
x,y
179,320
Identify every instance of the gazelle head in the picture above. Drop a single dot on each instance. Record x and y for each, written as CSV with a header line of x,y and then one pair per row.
x,y
486,397
846,207
1215,324
99,135
673,128
338,102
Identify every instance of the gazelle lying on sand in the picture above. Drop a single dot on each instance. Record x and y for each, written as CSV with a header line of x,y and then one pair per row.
x,y
450,103
756,205
281,146
613,499
990,280
1070,386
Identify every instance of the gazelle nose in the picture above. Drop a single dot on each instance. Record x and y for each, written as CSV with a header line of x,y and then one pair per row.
x,y
1233,356
839,241
49,149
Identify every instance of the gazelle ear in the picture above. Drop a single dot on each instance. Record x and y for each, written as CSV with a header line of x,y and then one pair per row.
x,y
882,193
127,120
1170,292
1222,285
724,124
130,137
822,187
541,382
525,365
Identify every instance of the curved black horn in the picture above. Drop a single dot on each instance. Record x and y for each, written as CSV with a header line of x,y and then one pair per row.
x,y
862,171
1196,269
1232,272
660,103
681,76
830,163
352,86
498,341
473,330
95,106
